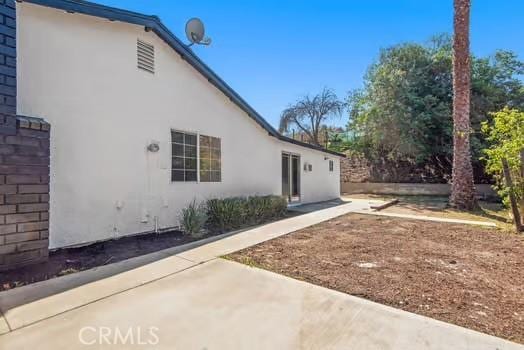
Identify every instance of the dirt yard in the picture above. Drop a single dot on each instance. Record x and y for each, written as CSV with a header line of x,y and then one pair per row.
x,y
462,274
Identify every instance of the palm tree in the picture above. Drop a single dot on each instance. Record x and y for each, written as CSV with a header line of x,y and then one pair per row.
x,y
310,113
463,189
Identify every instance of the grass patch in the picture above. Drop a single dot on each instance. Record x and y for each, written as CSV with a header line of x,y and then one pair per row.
x,y
246,260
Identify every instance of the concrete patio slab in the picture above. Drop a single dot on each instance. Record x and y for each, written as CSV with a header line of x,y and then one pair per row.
x,y
267,232
20,306
4,328
226,305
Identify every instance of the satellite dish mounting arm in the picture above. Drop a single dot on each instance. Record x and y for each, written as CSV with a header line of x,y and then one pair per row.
x,y
195,32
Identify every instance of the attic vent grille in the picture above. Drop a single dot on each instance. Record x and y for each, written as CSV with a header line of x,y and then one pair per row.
x,y
146,56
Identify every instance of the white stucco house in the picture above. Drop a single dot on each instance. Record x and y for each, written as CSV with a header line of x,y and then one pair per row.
x,y
113,85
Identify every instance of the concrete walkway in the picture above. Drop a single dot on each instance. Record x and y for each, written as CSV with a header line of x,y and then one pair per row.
x,y
192,300
427,218
363,206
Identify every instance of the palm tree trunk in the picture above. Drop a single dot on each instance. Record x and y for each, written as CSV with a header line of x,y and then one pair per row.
x,y
463,189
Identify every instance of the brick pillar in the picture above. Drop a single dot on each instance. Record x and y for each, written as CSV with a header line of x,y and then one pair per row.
x,y
24,164
24,194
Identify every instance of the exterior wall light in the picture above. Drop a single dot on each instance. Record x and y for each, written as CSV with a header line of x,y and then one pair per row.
x,y
153,147
308,167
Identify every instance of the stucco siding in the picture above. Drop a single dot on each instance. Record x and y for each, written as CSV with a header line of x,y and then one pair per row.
x,y
80,74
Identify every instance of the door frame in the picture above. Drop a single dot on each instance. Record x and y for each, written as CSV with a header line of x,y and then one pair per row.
x,y
290,197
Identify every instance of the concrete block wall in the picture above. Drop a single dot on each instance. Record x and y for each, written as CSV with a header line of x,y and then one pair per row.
x,y
484,191
24,193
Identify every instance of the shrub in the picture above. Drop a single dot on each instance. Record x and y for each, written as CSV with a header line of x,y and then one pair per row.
x,y
225,213
193,219
262,208
235,212
505,132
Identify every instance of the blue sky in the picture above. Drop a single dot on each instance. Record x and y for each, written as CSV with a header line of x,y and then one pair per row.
x,y
274,51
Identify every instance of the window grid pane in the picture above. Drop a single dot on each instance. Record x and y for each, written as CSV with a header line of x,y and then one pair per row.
x,y
184,156
210,167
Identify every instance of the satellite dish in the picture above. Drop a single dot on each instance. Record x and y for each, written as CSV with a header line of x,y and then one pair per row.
x,y
195,32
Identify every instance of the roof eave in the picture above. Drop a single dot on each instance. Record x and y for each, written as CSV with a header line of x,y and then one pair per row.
x,y
308,145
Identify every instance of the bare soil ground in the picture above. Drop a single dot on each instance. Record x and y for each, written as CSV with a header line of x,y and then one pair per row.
x,y
466,275
71,260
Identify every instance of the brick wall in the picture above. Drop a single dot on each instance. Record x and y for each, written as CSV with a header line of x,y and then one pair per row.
x,y
24,164
7,58
24,193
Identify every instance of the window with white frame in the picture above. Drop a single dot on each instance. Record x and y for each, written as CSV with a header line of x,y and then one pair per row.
x,y
195,157
184,156
331,165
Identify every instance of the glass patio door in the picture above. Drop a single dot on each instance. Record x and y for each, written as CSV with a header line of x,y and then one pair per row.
x,y
291,177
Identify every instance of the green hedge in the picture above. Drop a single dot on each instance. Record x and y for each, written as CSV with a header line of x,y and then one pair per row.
x,y
236,212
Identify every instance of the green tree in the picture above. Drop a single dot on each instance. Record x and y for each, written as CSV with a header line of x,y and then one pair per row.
x,y
404,111
505,132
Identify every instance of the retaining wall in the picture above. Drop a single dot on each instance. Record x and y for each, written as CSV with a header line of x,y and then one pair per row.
x,y
483,190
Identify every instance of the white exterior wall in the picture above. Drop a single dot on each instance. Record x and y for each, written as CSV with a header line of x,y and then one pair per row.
x,y
80,74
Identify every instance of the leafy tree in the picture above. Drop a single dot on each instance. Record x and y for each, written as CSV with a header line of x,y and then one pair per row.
x,y
462,185
505,132
404,111
309,114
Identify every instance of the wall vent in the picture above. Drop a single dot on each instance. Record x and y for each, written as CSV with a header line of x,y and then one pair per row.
x,y
145,56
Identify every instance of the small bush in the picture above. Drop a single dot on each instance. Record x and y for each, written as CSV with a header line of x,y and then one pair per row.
x,y
236,212
225,214
193,219
263,208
